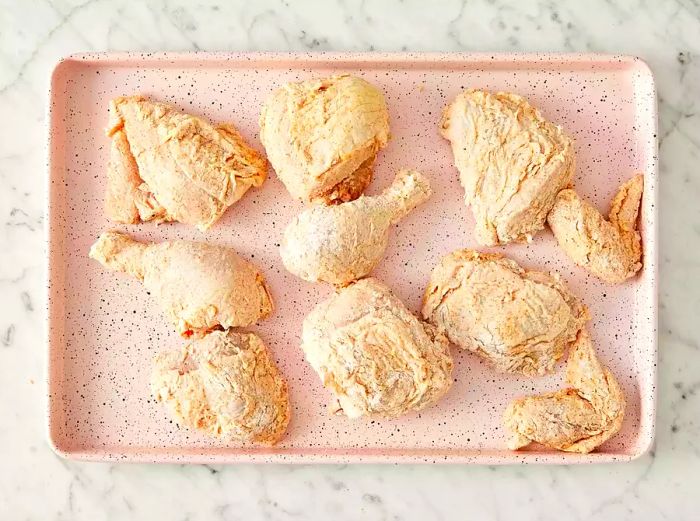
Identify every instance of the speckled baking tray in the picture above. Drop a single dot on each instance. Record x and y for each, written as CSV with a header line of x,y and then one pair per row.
x,y
104,329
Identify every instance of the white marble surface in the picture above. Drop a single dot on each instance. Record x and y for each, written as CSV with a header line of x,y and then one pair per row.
x,y
36,484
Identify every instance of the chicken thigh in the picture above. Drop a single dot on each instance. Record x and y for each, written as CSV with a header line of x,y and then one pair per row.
x,y
512,163
201,287
577,419
224,384
322,136
375,356
520,321
169,166
342,243
611,250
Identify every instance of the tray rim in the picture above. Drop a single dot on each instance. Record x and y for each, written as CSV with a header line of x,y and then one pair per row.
x,y
345,456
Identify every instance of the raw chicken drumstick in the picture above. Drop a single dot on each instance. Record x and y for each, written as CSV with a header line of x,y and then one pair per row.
x,y
610,250
519,320
224,384
343,243
375,356
512,163
169,166
322,136
201,287
577,419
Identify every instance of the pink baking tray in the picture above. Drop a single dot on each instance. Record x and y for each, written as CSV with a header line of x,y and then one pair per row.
x,y
104,329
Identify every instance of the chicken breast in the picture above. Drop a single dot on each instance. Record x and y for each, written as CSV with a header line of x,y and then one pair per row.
x,y
169,166
322,136
375,356
226,385
344,242
200,286
577,419
610,250
512,163
520,321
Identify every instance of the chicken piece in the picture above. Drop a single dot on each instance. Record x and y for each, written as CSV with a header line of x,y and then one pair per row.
x,y
169,166
226,385
201,287
375,356
610,250
128,198
512,163
577,419
342,243
322,136
519,320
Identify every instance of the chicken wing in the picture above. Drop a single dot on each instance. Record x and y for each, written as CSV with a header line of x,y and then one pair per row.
x,y
342,243
521,321
169,166
610,250
375,356
200,286
512,163
322,136
226,385
577,419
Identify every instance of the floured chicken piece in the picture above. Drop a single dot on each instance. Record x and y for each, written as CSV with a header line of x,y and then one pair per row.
x,y
519,320
169,166
375,355
512,163
342,243
611,250
201,287
322,136
577,419
226,385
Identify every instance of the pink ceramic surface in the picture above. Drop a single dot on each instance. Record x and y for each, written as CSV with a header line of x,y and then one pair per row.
x,y
104,329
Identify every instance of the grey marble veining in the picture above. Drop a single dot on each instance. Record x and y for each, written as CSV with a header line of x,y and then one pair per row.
x,y
35,484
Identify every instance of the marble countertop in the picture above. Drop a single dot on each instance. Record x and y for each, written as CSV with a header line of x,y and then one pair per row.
x,y
36,484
